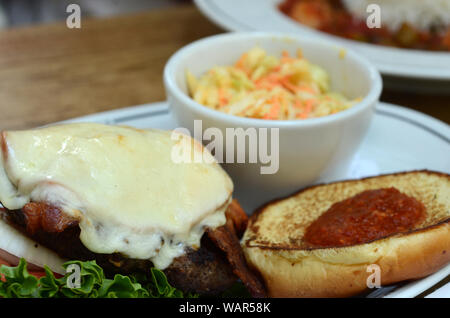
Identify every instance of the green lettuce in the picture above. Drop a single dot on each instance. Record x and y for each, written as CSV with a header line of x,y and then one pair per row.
x,y
18,283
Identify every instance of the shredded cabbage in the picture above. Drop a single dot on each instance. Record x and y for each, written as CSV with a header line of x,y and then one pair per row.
x,y
262,86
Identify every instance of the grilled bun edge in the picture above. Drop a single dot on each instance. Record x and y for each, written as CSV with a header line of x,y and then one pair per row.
x,y
344,271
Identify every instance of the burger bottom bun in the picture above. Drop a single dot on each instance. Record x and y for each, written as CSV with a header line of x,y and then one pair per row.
x,y
345,271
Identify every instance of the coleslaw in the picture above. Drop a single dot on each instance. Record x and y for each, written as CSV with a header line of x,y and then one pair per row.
x,y
262,86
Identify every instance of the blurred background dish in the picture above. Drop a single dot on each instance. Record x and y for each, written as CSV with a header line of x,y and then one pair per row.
x,y
408,24
395,63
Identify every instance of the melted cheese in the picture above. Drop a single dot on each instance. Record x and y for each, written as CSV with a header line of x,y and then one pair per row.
x,y
123,185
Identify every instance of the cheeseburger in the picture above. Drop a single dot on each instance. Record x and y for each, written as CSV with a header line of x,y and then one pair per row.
x,y
115,195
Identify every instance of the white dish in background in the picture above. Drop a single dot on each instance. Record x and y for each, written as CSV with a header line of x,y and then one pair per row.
x,y
399,139
263,15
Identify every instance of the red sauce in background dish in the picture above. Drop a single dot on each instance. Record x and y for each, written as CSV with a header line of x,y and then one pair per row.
x,y
367,216
332,17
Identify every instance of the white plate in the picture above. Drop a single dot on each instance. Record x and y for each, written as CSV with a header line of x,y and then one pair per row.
x,y
398,139
263,15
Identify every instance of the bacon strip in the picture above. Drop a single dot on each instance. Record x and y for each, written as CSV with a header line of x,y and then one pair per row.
x,y
3,145
226,239
237,215
43,216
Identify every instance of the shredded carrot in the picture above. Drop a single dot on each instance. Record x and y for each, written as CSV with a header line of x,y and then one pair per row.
x,y
283,113
305,107
288,85
262,86
272,77
242,112
268,82
298,104
275,109
286,57
276,68
309,103
240,64
306,88
223,99
286,60
302,115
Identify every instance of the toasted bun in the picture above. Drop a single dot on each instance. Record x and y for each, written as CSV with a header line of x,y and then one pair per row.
x,y
273,243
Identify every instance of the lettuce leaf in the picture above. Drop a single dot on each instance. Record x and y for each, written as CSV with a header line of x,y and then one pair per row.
x,y
20,284
92,283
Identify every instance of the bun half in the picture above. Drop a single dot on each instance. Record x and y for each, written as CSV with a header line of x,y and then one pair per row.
x,y
273,241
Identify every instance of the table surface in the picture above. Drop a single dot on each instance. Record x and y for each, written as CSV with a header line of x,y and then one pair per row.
x,y
50,73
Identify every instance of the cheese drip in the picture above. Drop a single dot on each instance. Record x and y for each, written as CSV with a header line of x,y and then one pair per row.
x,y
122,183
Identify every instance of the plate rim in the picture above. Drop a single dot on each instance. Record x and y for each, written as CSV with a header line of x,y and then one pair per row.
x,y
416,118
231,23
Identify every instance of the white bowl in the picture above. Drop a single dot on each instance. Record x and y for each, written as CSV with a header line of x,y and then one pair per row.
x,y
308,149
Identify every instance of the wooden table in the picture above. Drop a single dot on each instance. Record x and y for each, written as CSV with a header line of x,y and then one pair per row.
x,y
50,73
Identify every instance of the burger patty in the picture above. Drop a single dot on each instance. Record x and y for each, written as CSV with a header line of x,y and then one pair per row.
x,y
210,269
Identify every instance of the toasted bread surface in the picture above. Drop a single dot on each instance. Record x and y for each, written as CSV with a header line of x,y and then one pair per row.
x,y
273,241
